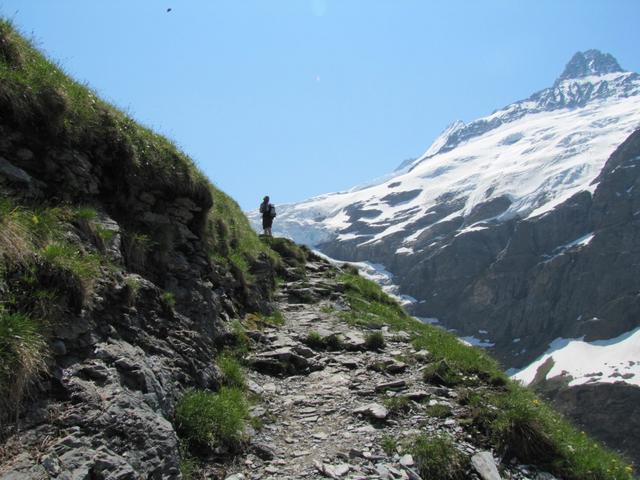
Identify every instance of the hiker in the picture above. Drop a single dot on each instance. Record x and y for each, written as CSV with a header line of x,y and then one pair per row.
x,y
268,212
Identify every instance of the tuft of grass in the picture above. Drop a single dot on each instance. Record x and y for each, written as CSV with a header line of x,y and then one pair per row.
x,y
318,342
260,321
86,213
241,343
436,457
389,445
84,266
314,340
169,299
212,419
188,463
275,319
439,410
397,405
441,373
374,341
232,372
23,352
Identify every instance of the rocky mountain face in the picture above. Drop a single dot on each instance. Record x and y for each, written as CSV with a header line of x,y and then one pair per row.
x,y
517,230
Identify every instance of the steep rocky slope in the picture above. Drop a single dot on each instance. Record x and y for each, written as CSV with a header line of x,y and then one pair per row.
x,y
120,267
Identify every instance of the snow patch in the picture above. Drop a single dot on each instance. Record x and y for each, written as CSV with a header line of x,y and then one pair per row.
x,y
476,342
600,361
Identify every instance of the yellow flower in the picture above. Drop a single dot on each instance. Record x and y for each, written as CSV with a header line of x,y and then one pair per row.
x,y
35,220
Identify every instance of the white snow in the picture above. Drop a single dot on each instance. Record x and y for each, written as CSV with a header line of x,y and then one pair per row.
x,y
377,273
577,243
600,361
476,342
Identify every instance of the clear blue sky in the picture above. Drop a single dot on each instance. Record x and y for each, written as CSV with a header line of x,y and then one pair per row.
x,y
294,98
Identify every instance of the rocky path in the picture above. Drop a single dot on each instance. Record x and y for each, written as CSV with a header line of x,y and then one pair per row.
x,y
328,413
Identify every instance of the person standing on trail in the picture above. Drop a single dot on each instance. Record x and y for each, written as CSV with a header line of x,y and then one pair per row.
x,y
268,212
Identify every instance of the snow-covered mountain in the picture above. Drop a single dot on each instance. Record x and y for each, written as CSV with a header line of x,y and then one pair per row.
x,y
524,159
519,230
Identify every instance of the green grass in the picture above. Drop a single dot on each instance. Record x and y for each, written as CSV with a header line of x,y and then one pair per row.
x,y
189,465
441,373
84,266
397,405
22,357
230,238
439,411
314,340
519,422
38,94
389,445
318,342
169,299
374,341
212,419
232,372
436,457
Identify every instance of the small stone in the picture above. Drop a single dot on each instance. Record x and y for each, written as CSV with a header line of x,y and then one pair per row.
x,y
254,388
13,173
236,476
383,472
262,451
396,367
271,469
372,410
406,460
485,466
422,355
416,395
58,347
394,385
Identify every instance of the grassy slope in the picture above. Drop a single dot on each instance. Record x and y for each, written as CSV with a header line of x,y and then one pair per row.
x,y
510,416
47,107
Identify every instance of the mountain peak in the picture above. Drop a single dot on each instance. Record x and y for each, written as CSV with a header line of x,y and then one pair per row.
x,y
589,62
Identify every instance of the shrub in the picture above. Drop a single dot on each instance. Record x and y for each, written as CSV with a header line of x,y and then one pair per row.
x,y
436,457
212,419
374,341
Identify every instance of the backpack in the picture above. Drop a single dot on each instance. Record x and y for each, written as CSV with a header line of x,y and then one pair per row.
x,y
272,211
